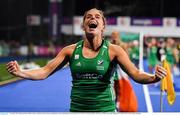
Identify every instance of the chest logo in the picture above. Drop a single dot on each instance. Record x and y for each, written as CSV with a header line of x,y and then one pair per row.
x,y
100,65
76,56
100,62
78,64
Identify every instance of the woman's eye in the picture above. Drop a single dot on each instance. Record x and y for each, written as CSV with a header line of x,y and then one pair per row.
x,y
88,17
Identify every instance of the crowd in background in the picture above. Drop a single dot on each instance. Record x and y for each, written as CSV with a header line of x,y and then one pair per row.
x,y
155,49
163,48
34,47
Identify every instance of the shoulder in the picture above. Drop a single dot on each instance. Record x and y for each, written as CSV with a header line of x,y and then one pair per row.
x,y
114,47
68,50
70,47
115,50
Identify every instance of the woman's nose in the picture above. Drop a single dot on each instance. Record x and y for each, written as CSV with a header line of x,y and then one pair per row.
x,y
92,17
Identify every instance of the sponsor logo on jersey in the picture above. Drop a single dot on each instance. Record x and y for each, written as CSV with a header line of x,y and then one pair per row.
x,y
100,62
78,64
87,76
78,46
76,56
99,67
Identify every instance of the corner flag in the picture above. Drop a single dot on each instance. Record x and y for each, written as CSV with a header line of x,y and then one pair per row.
x,y
167,84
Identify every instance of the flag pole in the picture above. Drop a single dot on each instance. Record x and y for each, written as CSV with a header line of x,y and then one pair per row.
x,y
161,101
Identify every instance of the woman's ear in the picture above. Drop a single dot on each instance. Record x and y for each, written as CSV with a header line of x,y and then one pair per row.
x,y
103,29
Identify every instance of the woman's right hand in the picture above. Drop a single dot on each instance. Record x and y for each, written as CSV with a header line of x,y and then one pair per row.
x,y
13,68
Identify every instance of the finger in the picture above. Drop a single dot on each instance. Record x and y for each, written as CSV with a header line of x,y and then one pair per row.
x,y
158,75
10,63
12,69
158,72
9,67
16,64
161,70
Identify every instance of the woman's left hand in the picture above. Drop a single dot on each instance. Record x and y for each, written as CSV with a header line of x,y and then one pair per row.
x,y
160,72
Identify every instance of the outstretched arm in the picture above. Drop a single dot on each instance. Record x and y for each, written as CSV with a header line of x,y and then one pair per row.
x,y
139,76
36,74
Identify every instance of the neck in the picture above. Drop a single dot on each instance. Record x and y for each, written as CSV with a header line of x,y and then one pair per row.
x,y
93,43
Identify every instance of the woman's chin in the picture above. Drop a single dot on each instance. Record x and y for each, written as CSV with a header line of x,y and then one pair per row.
x,y
90,35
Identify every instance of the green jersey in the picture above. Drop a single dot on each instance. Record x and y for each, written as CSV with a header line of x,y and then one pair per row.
x,y
169,56
92,82
152,56
134,53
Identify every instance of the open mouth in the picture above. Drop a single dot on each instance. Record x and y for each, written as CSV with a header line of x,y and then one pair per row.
x,y
92,25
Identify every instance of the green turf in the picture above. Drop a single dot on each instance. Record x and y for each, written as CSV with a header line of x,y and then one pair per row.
x,y
4,75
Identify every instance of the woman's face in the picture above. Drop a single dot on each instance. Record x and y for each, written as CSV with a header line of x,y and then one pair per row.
x,y
93,22
170,41
153,41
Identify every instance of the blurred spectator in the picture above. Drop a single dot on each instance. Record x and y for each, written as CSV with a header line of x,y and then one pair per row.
x,y
116,39
172,55
30,48
125,100
5,48
14,48
161,53
51,49
134,52
30,51
178,47
151,53
171,52
1,49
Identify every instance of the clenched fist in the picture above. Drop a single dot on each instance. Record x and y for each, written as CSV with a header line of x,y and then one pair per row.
x,y
13,68
160,72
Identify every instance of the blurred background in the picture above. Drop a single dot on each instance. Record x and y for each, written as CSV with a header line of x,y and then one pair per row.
x,y
34,31
32,20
